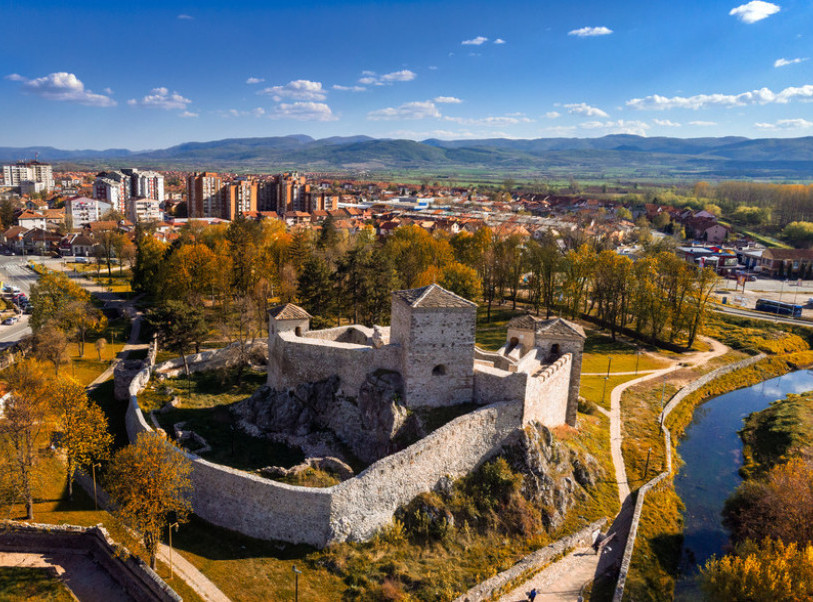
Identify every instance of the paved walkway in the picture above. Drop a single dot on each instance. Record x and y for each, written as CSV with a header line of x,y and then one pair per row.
x,y
79,572
560,581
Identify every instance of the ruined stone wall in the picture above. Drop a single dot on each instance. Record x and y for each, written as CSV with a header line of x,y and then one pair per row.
x,y
546,397
492,384
354,509
295,360
364,504
259,507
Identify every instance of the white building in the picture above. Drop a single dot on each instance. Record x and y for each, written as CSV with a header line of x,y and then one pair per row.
x,y
148,185
29,171
144,210
31,220
83,210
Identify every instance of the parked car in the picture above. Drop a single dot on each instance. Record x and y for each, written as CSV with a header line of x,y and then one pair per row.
x,y
10,321
81,260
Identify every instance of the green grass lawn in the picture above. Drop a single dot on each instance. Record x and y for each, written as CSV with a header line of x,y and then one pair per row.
x,y
594,390
18,584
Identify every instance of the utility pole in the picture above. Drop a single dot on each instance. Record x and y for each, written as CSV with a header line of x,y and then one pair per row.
x,y
93,471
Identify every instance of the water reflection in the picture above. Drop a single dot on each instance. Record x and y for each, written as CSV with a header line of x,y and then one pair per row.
x,y
712,454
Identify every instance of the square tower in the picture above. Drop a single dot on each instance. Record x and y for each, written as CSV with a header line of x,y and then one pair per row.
x,y
435,330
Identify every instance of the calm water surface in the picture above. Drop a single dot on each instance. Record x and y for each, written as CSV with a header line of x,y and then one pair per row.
x,y
712,453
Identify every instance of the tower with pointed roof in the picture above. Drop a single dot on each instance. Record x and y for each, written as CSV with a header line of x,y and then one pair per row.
x,y
435,330
554,338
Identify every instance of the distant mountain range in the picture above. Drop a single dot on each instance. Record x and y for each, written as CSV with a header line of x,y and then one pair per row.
x,y
616,156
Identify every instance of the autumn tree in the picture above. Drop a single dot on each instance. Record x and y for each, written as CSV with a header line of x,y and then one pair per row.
x,y
149,263
82,427
179,326
769,570
24,419
461,280
149,483
100,344
51,345
85,319
54,297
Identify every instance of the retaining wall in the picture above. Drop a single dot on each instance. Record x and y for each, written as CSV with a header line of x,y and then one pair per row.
x,y
532,563
639,501
137,579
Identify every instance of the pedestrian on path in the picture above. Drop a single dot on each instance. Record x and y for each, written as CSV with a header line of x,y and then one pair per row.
x,y
532,595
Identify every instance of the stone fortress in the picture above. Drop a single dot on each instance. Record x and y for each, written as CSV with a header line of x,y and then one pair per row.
x,y
430,346
367,388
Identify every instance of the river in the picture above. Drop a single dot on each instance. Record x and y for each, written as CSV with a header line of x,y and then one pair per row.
x,y
712,454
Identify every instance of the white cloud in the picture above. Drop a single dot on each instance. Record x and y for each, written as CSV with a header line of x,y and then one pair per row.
x,y
405,75
665,123
348,88
495,121
298,89
433,67
160,98
553,114
64,87
108,91
371,78
783,62
786,124
582,108
255,80
703,123
184,17
499,41
621,126
452,100
303,111
754,11
188,114
762,96
258,112
409,110
589,32
478,41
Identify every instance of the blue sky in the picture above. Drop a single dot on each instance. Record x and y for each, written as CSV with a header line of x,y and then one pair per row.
x,y
139,75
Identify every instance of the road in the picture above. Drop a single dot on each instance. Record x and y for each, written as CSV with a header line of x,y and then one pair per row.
x,y
13,271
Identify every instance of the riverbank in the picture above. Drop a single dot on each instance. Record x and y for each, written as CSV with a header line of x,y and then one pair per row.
x,y
656,559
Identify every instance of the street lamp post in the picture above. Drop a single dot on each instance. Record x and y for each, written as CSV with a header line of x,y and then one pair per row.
x,y
93,472
170,527
297,573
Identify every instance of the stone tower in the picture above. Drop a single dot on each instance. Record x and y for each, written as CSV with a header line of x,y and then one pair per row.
x,y
283,318
554,338
435,330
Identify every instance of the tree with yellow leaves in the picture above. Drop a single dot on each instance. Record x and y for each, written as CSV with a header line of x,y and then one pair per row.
x,y
149,482
769,570
82,426
24,417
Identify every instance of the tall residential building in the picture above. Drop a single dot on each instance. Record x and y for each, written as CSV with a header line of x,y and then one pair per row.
x,y
292,193
113,187
145,184
267,194
83,211
204,195
144,210
321,201
29,171
240,196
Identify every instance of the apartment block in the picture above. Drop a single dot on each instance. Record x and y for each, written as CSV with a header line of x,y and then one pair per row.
x,y
205,195
144,210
